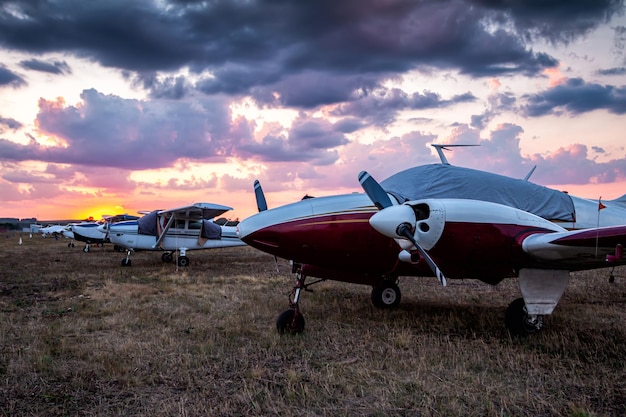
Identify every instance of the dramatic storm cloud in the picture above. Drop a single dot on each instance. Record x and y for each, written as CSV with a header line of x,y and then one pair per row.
x,y
192,95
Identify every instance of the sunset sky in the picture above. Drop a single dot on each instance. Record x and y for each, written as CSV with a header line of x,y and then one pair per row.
x,y
116,106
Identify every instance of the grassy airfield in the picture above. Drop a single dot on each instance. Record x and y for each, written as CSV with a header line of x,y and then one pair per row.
x,y
82,336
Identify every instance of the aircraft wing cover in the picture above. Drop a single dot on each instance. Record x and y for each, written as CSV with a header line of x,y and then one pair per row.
x,y
147,225
448,181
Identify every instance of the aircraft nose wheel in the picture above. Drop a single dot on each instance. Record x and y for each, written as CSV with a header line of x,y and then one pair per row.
x,y
518,322
290,322
386,296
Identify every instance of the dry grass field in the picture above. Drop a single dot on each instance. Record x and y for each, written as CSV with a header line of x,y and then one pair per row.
x,y
82,336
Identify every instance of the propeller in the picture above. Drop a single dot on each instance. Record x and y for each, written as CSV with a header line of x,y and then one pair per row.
x,y
261,204
386,221
374,191
396,222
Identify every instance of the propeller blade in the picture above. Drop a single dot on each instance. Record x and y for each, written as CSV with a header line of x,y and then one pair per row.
x,y
374,191
405,230
261,204
395,222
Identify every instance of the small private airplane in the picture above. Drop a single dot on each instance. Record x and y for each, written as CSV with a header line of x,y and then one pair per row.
x,y
444,221
91,232
179,230
52,230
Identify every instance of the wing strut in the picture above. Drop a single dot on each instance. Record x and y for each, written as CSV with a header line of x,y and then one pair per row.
x,y
165,229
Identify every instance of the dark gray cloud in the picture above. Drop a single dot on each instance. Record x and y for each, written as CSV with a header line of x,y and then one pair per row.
x,y
380,106
54,67
310,139
8,77
9,123
109,131
613,71
576,96
161,87
554,20
249,46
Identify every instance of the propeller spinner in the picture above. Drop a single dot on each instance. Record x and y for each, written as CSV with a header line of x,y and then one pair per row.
x,y
395,221
399,222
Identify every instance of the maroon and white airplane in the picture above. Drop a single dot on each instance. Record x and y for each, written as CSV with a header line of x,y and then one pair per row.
x,y
513,229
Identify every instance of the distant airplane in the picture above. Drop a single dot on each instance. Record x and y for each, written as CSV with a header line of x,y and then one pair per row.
x,y
443,221
52,230
91,232
179,229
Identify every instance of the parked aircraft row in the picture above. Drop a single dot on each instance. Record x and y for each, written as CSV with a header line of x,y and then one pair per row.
x,y
434,220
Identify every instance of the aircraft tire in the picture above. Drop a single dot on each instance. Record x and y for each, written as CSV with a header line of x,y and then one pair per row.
x,y
125,262
386,296
167,257
86,249
286,323
183,261
516,320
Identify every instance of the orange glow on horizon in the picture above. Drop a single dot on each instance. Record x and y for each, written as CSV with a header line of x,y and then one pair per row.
x,y
97,212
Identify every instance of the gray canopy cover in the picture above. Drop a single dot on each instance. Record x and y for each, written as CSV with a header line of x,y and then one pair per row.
x,y
147,225
211,230
449,181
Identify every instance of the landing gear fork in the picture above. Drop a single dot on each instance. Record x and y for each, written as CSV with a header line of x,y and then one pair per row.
x,y
292,321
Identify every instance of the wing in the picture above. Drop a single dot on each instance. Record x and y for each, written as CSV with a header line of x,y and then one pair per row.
x,y
196,211
578,249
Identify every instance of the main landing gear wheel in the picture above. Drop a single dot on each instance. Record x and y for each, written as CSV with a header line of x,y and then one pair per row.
x,y
86,249
125,262
518,322
183,261
386,296
167,257
290,322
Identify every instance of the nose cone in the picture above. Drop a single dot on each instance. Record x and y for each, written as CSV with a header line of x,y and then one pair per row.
x,y
273,231
257,229
388,220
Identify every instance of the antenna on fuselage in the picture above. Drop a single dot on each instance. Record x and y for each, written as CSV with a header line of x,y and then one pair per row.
x,y
527,177
440,148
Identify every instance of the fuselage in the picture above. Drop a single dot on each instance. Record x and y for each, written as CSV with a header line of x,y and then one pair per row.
x,y
332,238
52,230
126,234
89,232
588,215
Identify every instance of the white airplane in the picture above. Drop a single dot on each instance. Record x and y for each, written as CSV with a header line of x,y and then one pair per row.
x,y
52,230
91,232
179,229
443,221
